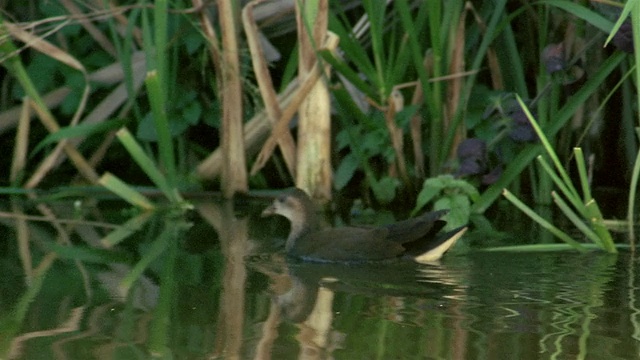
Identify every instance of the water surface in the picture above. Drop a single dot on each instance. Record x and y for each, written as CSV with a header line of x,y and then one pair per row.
x,y
216,285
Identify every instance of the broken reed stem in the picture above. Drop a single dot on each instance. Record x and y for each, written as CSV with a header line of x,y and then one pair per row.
x,y
265,84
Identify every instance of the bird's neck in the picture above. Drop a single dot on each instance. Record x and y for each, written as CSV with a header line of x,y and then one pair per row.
x,y
300,227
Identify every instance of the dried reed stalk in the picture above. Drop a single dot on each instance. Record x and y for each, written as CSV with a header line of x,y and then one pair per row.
x,y
21,145
234,171
269,97
314,172
256,132
395,105
456,85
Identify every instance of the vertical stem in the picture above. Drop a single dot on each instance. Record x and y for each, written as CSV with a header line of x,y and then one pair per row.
x,y
314,130
234,170
635,23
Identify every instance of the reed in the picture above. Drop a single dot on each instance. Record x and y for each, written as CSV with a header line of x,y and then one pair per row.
x,y
582,210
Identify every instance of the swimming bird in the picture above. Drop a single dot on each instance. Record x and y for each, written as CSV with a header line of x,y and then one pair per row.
x,y
416,238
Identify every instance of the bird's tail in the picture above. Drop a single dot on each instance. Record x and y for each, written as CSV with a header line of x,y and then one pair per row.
x,y
430,251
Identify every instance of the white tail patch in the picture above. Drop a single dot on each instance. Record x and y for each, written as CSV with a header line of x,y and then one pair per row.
x,y
436,253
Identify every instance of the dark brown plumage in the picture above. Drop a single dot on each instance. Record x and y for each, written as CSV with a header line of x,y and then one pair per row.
x,y
416,238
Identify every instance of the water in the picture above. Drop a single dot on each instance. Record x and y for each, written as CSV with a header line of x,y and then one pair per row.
x,y
218,287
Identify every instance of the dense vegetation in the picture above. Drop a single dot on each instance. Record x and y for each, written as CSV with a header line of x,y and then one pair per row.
x,y
424,98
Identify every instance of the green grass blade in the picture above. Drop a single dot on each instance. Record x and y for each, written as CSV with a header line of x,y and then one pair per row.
x,y
575,201
582,12
80,130
541,247
163,130
12,62
375,14
550,151
431,107
161,16
582,173
579,98
346,71
595,218
524,158
626,10
147,165
127,229
543,222
635,23
576,220
125,191
354,52
633,186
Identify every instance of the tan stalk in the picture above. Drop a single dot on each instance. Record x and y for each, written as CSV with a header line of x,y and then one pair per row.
x,y
210,34
108,75
234,171
455,86
492,58
76,158
256,131
282,125
286,142
22,235
21,145
9,118
396,104
116,12
415,126
314,127
95,33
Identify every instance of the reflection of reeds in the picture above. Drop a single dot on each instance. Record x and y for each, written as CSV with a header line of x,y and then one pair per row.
x,y
233,234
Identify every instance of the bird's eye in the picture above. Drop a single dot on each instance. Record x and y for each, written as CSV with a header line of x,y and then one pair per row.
x,y
281,199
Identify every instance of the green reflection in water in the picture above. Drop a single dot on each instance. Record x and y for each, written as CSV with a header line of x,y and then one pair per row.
x,y
220,288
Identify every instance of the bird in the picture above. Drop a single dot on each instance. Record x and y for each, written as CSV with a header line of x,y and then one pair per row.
x,y
417,238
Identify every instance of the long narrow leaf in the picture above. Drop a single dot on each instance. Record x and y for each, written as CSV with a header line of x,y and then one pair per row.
x,y
576,220
549,149
344,69
524,158
540,220
582,174
80,130
635,23
595,218
633,187
431,106
158,108
125,191
582,12
127,229
147,164
564,189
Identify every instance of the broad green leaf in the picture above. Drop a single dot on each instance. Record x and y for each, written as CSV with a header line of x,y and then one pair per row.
x,y
345,171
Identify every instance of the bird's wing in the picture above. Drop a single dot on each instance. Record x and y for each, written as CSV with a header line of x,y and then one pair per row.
x,y
348,244
423,226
